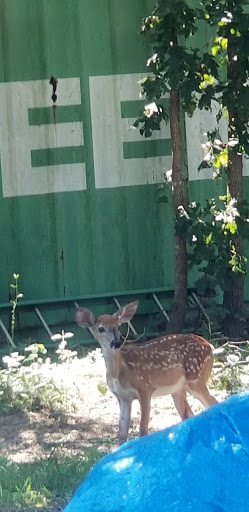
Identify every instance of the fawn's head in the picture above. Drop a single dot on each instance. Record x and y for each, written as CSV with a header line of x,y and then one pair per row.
x,y
106,327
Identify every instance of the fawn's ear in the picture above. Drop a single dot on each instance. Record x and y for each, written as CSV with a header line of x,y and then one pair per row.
x,y
127,312
85,318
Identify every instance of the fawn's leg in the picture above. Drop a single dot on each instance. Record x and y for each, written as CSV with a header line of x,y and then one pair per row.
x,y
124,420
200,391
181,404
145,414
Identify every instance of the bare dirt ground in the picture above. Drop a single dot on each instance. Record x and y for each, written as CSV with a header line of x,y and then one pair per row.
x,y
26,437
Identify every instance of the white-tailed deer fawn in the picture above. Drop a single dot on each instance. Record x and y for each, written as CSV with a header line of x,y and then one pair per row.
x,y
171,364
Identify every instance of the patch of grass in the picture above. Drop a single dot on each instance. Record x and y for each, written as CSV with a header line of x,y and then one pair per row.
x,y
45,484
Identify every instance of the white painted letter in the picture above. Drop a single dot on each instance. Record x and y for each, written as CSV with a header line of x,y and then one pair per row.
x,y
18,138
110,132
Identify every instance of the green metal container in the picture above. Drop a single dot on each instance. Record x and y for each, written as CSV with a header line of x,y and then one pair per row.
x,y
79,203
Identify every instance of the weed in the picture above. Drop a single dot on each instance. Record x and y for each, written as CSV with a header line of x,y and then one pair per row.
x,y
65,354
231,359
228,379
14,303
102,387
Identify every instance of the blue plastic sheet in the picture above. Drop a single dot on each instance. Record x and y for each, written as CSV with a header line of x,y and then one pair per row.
x,y
200,465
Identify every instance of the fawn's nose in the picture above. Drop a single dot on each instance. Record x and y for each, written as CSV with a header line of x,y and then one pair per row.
x,y
115,342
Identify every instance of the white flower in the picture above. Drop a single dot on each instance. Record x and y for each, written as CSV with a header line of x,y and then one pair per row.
x,y
151,108
228,18
229,215
56,337
168,176
219,217
68,335
31,348
62,345
233,142
208,156
152,59
62,336
13,361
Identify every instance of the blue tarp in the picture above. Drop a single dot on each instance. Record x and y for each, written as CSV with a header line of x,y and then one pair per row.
x,y
200,465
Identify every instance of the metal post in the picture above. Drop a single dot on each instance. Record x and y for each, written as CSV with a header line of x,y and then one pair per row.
x,y
7,334
158,303
43,321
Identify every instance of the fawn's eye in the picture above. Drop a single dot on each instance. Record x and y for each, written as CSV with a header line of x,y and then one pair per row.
x,y
101,328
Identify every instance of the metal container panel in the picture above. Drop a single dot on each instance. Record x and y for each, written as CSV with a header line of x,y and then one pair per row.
x,y
79,201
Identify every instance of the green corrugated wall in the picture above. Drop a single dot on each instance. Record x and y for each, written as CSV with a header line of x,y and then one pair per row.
x,y
88,237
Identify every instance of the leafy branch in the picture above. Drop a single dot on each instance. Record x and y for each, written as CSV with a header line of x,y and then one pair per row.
x,y
211,232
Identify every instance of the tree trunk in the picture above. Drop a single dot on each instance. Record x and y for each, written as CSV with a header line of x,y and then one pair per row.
x,y
234,296
180,300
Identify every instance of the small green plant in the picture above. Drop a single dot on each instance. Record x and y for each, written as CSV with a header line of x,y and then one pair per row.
x,y
33,382
65,354
230,359
229,379
102,387
14,302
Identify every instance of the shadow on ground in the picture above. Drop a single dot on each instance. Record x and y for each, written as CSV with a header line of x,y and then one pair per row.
x,y
25,437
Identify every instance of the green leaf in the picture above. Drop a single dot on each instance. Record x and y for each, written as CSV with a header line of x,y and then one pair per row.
x,y
232,227
224,43
215,49
136,123
209,238
221,159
